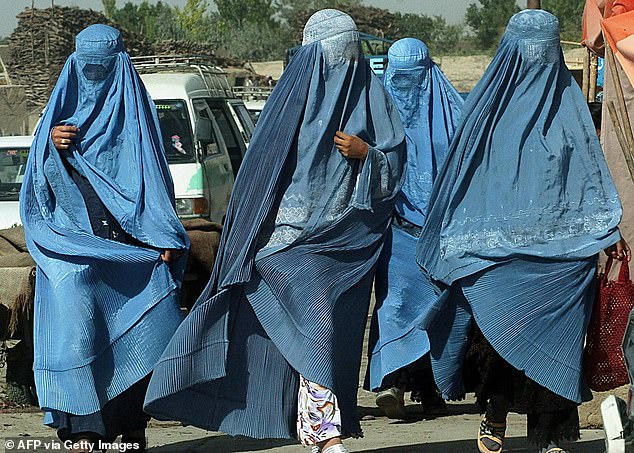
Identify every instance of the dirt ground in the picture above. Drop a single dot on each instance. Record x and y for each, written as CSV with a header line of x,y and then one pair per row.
x,y
453,433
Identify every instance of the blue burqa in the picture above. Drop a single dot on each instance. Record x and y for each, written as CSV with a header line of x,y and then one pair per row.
x,y
520,209
429,107
104,310
291,286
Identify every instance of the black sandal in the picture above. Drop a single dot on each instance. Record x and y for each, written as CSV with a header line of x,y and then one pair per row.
x,y
491,436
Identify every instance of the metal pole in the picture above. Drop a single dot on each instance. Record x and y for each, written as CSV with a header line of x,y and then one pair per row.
x,y
534,4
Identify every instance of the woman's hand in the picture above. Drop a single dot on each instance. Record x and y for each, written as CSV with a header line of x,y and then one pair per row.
x,y
351,146
63,136
619,251
170,255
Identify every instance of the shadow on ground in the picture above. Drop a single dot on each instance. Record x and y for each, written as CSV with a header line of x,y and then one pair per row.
x,y
227,444
415,412
222,444
513,445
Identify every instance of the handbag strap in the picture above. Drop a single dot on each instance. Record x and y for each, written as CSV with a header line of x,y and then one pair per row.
x,y
624,273
608,266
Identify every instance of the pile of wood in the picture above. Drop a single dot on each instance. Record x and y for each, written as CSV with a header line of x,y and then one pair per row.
x,y
43,40
174,47
375,21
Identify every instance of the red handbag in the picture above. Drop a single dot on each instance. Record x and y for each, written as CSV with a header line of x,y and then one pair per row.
x,y
603,362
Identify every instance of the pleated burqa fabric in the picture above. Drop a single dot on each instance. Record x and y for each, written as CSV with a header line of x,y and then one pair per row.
x,y
429,107
518,214
290,290
104,310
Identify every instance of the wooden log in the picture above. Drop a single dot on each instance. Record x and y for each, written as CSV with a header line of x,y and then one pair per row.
x,y
585,86
592,89
629,159
622,124
620,97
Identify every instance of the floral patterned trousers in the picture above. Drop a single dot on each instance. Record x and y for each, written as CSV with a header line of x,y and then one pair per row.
x,y
318,415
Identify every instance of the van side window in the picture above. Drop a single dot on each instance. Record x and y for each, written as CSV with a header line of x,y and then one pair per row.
x,y
245,119
176,131
209,145
12,166
228,134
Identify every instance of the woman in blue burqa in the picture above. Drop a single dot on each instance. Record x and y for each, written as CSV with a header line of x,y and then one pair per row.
x,y
429,107
272,348
97,205
518,215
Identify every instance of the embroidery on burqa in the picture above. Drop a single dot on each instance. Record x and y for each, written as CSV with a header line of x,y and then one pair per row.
x,y
515,231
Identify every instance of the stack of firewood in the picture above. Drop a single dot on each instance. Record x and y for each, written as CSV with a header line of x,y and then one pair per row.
x,y
43,40
375,21
173,47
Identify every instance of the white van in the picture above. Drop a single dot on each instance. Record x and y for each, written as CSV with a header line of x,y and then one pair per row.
x,y
205,128
14,152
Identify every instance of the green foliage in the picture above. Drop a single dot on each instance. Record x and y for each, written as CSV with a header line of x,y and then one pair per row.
x,y
194,19
249,30
569,13
243,12
440,37
109,8
256,42
242,29
418,26
489,20
156,21
264,29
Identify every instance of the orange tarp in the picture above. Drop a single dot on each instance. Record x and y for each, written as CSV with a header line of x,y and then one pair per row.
x,y
619,31
593,13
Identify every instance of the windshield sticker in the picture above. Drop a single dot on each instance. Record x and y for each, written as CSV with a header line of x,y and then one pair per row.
x,y
177,144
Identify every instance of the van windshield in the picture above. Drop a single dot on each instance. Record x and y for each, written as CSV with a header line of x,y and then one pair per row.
x,y
12,166
176,131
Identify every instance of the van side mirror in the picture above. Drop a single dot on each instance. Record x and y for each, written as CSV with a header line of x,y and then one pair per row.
x,y
204,130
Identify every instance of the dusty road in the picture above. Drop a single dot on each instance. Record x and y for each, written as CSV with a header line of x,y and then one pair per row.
x,y
449,434
453,433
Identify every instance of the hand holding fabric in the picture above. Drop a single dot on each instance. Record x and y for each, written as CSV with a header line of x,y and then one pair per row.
x,y
63,136
351,146
170,255
619,251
